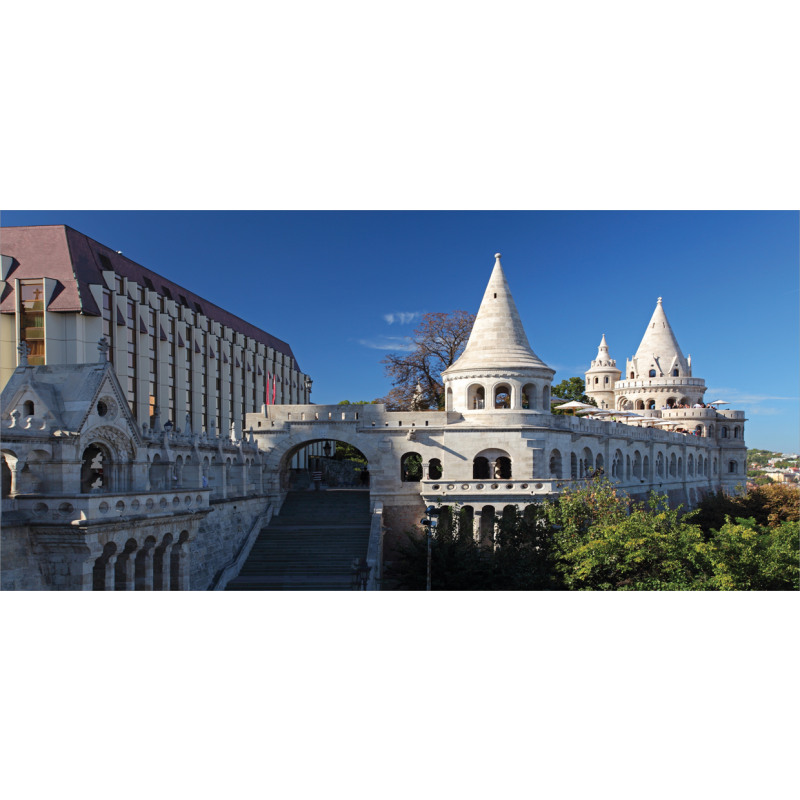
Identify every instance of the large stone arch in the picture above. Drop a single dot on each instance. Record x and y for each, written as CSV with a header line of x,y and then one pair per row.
x,y
277,458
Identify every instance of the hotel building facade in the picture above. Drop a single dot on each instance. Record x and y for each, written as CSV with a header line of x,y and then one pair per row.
x,y
179,357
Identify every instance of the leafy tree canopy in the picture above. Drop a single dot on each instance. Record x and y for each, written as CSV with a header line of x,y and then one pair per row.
x,y
571,389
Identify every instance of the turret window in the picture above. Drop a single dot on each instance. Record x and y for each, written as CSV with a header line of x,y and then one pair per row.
x,y
674,373
652,373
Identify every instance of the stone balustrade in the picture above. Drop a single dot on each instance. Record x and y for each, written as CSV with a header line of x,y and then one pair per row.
x,y
71,508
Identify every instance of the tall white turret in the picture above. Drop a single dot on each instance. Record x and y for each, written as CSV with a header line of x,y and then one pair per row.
x,y
658,374
602,376
498,370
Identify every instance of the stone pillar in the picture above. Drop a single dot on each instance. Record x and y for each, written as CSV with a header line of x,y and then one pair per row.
x,y
110,572
124,571
14,467
144,568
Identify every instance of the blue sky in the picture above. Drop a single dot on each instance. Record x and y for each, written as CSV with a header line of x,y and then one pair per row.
x,y
343,288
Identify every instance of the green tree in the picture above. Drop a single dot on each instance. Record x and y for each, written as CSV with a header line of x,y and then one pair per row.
x,y
748,556
435,344
572,389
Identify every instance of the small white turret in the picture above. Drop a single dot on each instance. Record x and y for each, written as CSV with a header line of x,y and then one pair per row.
x,y
602,376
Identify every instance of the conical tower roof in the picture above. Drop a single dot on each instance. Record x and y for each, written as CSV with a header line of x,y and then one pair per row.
x,y
659,345
498,340
603,358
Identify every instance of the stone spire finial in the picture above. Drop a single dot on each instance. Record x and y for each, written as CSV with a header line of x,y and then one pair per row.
x,y
497,340
103,346
23,348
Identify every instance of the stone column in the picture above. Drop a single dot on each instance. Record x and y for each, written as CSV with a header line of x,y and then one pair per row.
x,y
124,571
144,568
110,572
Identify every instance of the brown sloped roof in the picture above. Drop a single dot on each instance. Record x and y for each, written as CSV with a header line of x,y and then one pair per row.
x,y
74,261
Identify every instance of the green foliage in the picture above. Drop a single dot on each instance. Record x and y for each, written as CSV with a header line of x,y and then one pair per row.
x,y
748,556
607,542
594,538
523,559
571,389
770,504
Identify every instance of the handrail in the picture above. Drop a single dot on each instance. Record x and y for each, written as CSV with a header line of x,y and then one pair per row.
x,y
233,567
375,548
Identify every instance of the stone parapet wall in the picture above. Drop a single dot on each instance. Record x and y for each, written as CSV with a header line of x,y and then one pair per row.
x,y
221,536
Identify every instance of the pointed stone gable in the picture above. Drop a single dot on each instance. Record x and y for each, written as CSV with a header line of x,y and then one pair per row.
x,y
659,347
498,339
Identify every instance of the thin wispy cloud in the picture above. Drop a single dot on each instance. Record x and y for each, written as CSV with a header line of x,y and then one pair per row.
x,y
402,317
387,343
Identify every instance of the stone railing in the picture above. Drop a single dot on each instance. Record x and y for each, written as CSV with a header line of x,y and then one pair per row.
x,y
73,508
657,382
234,566
493,488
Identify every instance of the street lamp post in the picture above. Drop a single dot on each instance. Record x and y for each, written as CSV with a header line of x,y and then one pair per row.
x,y
430,523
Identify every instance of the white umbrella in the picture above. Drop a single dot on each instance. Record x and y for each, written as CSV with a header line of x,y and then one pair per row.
x,y
719,403
574,405
598,412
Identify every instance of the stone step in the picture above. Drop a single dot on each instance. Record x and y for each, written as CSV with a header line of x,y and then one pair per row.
x,y
310,546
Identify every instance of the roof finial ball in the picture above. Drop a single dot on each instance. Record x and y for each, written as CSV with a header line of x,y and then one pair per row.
x,y
659,301
498,255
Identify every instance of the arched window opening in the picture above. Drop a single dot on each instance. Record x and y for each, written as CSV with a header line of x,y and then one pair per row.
x,y
599,464
605,380
684,401
480,468
639,405
449,399
95,469
101,575
637,464
733,467
660,465
487,525
27,408
715,466
466,521
673,466
698,430
573,466
627,467
632,376
596,380
652,373
646,468
529,396
690,464
476,397
7,482
675,373
680,467
411,468
723,432
650,404
736,431
546,398
435,469
555,464
670,402
587,463
502,468
502,397
616,465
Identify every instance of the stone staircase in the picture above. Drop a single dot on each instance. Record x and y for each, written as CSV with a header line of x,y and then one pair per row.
x,y
310,545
